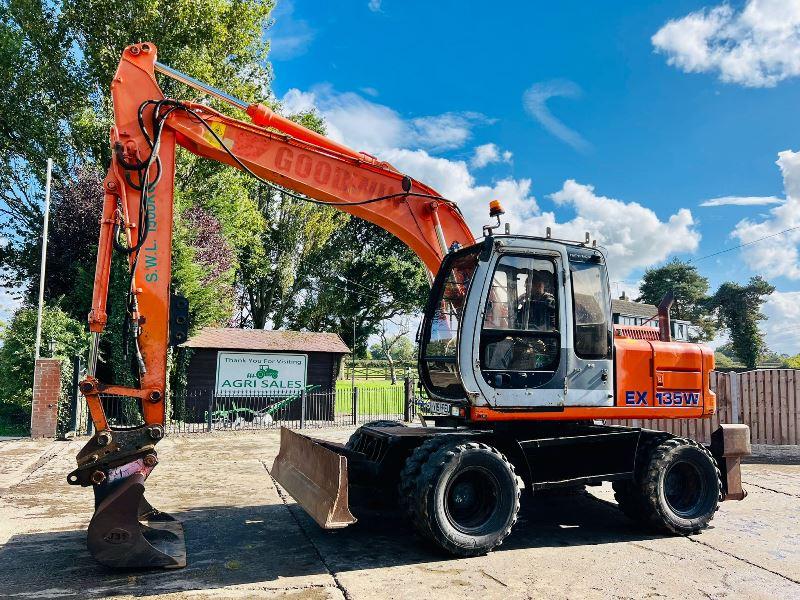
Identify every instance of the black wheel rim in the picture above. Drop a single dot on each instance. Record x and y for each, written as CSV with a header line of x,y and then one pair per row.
x,y
684,488
471,499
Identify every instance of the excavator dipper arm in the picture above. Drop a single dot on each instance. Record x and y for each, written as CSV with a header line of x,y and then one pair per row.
x,y
137,221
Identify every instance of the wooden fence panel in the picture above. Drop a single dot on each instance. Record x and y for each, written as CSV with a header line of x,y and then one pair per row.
x,y
744,394
769,402
783,407
792,388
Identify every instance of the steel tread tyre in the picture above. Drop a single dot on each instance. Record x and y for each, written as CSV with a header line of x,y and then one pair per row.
x,y
629,494
466,498
352,442
682,487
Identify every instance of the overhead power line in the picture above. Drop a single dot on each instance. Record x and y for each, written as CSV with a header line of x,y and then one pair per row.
x,y
761,239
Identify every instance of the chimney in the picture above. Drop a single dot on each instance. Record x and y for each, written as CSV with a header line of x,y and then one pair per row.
x,y
623,296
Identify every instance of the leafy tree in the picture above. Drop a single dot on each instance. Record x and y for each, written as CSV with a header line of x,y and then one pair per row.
x,y
273,259
738,309
691,292
793,362
726,353
393,347
363,276
401,349
57,103
17,356
43,91
723,362
271,272
770,357
203,266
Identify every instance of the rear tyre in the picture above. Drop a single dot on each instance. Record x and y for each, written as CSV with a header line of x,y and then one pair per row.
x,y
355,438
682,487
466,498
629,494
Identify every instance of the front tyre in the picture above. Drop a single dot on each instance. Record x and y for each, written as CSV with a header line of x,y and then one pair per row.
x,y
681,487
466,498
353,443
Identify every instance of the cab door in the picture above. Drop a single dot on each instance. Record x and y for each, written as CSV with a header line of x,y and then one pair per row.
x,y
590,374
519,340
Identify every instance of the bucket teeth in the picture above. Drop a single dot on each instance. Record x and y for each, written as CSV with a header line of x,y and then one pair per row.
x,y
126,531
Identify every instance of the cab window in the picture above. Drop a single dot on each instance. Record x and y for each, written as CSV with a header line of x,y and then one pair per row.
x,y
442,324
520,338
591,308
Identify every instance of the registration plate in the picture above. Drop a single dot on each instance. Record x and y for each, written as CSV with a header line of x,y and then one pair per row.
x,y
439,408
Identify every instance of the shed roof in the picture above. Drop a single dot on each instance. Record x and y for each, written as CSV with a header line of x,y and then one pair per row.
x,y
633,309
229,338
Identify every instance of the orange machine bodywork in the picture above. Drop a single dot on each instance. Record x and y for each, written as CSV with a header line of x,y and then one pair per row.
x,y
653,380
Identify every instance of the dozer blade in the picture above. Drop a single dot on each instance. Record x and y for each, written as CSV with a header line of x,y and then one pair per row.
x,y
316,477
126,531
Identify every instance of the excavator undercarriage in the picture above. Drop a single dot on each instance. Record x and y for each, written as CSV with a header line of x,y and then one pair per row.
x,y
377,467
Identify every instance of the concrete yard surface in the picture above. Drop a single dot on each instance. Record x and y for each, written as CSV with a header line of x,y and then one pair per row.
x,y
247,539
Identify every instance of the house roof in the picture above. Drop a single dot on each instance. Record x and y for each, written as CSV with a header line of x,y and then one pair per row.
x,y
264,339
633,309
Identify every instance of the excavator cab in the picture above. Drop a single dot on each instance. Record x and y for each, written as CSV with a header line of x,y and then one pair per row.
x,y
540,333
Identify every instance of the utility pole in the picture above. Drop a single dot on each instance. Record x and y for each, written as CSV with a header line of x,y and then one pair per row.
x,y
44,254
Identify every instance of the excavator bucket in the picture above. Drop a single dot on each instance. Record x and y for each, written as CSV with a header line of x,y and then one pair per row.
x,y
126,531
316,477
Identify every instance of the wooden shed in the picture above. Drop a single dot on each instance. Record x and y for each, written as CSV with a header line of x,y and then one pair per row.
x,y
229,362
324,352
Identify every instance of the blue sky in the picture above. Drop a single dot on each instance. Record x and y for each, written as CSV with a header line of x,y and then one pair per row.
x,y
621,118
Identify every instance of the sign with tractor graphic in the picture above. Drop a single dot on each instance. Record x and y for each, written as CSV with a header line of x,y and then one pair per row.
x,y
266,371
259,374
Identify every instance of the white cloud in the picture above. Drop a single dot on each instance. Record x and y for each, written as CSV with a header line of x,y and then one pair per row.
x,y
758,46
10,301
778,255
288,37
633,234
453,180
488,154
373,127
781,329
629,287
370,91
374,5
742,201
535,102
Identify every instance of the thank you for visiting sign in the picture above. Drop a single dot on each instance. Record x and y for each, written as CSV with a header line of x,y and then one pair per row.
x,y
256,373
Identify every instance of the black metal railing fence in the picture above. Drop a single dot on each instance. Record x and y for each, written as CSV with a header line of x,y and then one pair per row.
x,y
202,410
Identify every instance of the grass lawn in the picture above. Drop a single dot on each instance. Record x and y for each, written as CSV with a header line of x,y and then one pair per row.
x,y
345,384
375,397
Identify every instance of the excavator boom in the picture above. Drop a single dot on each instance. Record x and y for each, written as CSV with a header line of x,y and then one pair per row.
x,y
137,221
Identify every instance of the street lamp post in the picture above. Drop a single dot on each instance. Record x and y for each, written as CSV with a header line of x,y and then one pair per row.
x,y
44,253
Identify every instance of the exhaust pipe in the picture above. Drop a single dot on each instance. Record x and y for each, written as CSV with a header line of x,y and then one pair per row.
x,y
664,325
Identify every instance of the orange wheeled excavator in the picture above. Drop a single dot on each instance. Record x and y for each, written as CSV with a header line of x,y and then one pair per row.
x,y
518,355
